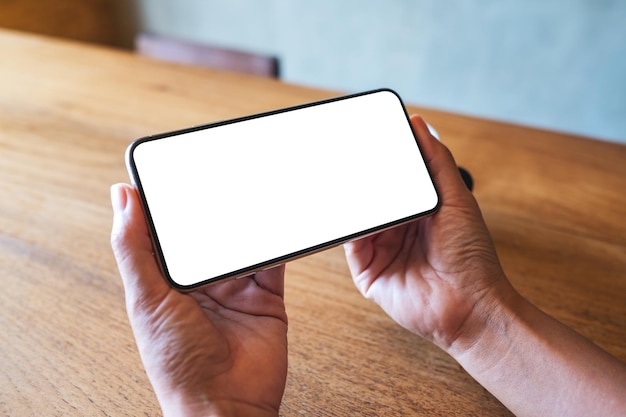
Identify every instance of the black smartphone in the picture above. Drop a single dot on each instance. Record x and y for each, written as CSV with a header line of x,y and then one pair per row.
x,y
231,198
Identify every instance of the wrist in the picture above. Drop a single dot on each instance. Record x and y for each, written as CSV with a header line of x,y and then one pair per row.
x,y
535,365
201,405
489,323
177,404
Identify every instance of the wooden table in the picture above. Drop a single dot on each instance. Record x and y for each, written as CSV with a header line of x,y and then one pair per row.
x,y
556,205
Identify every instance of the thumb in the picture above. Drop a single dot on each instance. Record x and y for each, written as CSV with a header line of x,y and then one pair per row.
x,y
143,282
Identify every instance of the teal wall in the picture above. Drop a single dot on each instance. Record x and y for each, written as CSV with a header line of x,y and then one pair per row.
x,y
557,64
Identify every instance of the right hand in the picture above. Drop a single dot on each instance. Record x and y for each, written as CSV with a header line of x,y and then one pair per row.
x,y
438,276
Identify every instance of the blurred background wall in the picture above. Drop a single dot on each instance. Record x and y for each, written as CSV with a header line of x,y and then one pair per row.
x,y
556,64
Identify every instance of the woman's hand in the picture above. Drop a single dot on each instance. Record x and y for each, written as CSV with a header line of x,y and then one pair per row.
x,y
219,350
433,275
440,278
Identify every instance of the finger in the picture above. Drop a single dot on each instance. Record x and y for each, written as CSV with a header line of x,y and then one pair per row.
x,y
273,280
143,281
440,161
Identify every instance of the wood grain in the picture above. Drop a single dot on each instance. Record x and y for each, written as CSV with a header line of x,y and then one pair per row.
x,y
554,203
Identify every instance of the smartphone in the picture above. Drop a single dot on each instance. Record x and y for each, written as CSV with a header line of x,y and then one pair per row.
x,y
228,199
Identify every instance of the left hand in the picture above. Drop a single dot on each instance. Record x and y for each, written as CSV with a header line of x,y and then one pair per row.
x,y
218,350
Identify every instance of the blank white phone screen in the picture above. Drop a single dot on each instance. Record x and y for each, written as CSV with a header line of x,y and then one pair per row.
x,y
239,196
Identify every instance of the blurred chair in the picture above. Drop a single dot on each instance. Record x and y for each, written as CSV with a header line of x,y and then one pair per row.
x,y
184,52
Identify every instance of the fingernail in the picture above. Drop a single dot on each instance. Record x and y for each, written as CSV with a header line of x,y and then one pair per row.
x,y
119,198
